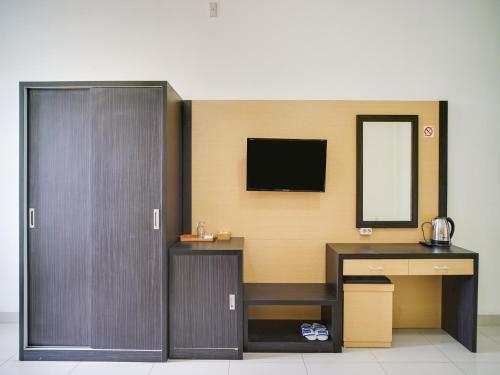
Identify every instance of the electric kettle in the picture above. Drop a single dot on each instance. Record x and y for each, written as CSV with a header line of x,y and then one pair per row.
x,y
442,231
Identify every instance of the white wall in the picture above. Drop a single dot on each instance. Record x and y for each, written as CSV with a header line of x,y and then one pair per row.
x,y
335,49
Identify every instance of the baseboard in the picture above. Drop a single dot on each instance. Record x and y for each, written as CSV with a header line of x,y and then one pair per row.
x,y
488,320
9,317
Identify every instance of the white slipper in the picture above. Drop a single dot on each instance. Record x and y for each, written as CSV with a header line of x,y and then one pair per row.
x,y
308,332
321,331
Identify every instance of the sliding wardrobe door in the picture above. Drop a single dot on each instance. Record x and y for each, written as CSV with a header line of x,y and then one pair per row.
x,y
59,230
126,191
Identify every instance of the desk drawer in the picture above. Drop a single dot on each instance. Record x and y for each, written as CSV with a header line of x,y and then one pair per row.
x,y
376,267
441,267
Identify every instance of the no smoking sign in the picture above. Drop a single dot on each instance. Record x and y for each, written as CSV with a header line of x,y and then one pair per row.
x,y
428,131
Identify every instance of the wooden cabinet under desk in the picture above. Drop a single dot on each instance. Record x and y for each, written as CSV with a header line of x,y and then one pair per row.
x,y
453,271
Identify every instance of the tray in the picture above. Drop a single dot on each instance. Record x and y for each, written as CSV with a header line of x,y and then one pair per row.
x,y
195,238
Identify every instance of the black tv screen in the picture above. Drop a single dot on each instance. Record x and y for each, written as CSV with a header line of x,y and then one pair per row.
x,y
286,164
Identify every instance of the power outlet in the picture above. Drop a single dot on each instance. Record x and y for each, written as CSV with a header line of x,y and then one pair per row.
x,y
366,231
213,8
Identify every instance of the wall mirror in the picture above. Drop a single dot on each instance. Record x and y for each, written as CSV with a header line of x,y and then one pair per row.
x,y
387,171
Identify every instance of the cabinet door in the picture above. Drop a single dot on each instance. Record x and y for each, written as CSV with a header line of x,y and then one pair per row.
x,y
58,250
202,323
126,189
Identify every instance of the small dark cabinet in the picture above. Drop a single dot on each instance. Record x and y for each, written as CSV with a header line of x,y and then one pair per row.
x,y
206,301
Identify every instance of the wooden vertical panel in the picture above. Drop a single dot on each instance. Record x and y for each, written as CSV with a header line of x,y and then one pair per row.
x,y
459,301
200,313
417,301
59,191
172,160
126,188
186,167
443,158
172,193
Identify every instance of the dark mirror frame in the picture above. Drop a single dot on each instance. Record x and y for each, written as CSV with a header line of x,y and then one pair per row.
x,y
413,222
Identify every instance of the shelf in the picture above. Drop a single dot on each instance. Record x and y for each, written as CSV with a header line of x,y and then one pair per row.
x,y
288,294
282,336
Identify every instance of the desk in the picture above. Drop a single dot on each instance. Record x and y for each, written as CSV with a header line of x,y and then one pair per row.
x,y
458,267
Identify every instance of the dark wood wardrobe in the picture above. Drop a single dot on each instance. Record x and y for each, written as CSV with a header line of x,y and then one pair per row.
x,y
100,204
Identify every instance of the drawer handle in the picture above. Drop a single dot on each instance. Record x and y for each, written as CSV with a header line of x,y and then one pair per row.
x,y
156,219
375,268
440,267
31,218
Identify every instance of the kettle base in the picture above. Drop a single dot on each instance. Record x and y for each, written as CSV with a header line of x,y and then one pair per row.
x,y
435,243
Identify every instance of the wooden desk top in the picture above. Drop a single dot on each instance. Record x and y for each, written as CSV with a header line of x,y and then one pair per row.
x,y
397,250
234,244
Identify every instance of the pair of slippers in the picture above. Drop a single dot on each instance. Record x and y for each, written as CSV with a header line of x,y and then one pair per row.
x,y
315,331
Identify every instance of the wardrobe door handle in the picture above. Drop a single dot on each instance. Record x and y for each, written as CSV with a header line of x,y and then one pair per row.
x,y
31,217
232,302
156,219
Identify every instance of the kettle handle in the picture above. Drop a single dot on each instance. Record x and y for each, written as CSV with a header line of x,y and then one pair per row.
x,y
452,226
422,227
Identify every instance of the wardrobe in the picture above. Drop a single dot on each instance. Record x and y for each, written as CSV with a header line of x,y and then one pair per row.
x,y
100,204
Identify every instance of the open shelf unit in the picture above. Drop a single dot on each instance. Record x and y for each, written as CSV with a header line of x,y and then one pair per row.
x,y
273,335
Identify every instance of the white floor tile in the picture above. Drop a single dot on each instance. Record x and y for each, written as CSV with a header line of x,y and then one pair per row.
x,y
191,367
492,332
348,355
259,368
345,369
428,352
272,357
9,342
409,346
112,368
488,349
15,367
479,368
421,368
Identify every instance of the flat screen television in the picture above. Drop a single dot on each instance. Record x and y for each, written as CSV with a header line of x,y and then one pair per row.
x,y
286,164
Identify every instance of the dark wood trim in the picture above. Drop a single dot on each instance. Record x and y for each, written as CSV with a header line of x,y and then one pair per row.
x,y
91,355
180,252
241,308
87,84
459,307
186,166
288,294
196,353
443,158
360,223
164,239
22,212
397,251
282,335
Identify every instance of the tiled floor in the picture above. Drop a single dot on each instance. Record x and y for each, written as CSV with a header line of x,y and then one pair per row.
x,y
415,352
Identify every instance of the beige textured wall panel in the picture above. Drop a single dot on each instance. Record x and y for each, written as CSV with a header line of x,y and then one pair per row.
x,y
286,232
